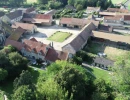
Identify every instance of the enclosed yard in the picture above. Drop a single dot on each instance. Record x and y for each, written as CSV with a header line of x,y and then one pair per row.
x,y
101,74
112,51
59,36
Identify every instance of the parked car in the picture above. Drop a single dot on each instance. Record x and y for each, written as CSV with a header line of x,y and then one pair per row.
x,y
101,54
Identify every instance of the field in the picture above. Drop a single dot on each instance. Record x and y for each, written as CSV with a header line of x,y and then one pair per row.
x,y
59,36
31,1
117,1
100,74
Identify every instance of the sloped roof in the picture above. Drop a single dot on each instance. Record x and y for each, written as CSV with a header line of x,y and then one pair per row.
x,y
103,61
93,8
80,40
25,26
17,34
111,37
126,17
2,13
53,55
117,17
31,9
37,47
7,28
17,45
117,10
73,21
14,14
33,39
37,18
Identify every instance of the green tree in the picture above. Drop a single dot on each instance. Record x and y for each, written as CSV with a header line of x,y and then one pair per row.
x,y
102,91
50,90
71,2
24,79
3,74
79,7
24,93
17,64
3,59
73,81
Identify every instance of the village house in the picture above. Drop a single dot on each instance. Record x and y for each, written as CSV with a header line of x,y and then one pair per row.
x,y
126,19
30,28
53,55
39,19
90,10
18,34
16,44
114,19
80,41
37,50
117,10
72,22
110,38
13,17
103,63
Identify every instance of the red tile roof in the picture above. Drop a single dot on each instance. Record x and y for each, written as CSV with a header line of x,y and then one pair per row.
x,y
73,21
33,39
53,55
17,45
117,10
25,26
127,17
43,16
36,46
118,17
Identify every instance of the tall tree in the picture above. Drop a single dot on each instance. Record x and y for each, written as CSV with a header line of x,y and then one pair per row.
x,y
24,79
3,74
24,93
73,81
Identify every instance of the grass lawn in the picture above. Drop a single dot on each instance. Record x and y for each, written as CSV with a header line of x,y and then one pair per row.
x,y
114,53
59,36
99,73
31,1
1,96
117,1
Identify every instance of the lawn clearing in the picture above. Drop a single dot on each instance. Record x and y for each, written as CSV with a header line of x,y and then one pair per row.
x,y
117,1
59,36
31,1
114,53
100,73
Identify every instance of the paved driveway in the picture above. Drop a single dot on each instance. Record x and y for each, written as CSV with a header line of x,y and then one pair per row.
x,y
47,31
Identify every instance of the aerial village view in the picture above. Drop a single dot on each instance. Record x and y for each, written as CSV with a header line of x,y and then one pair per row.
x,y
64,49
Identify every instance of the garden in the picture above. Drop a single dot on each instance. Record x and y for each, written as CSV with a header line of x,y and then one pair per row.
x,y
59,36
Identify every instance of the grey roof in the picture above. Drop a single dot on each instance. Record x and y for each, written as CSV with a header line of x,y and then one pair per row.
x,y
103,61
14,14
2,14
29,15
80,40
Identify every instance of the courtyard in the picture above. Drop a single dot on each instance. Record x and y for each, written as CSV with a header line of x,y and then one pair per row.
x,y
62,36
46,32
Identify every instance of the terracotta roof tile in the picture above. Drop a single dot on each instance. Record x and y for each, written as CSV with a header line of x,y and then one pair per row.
x,y
53,55
117,10
36,46
17,45
25,26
